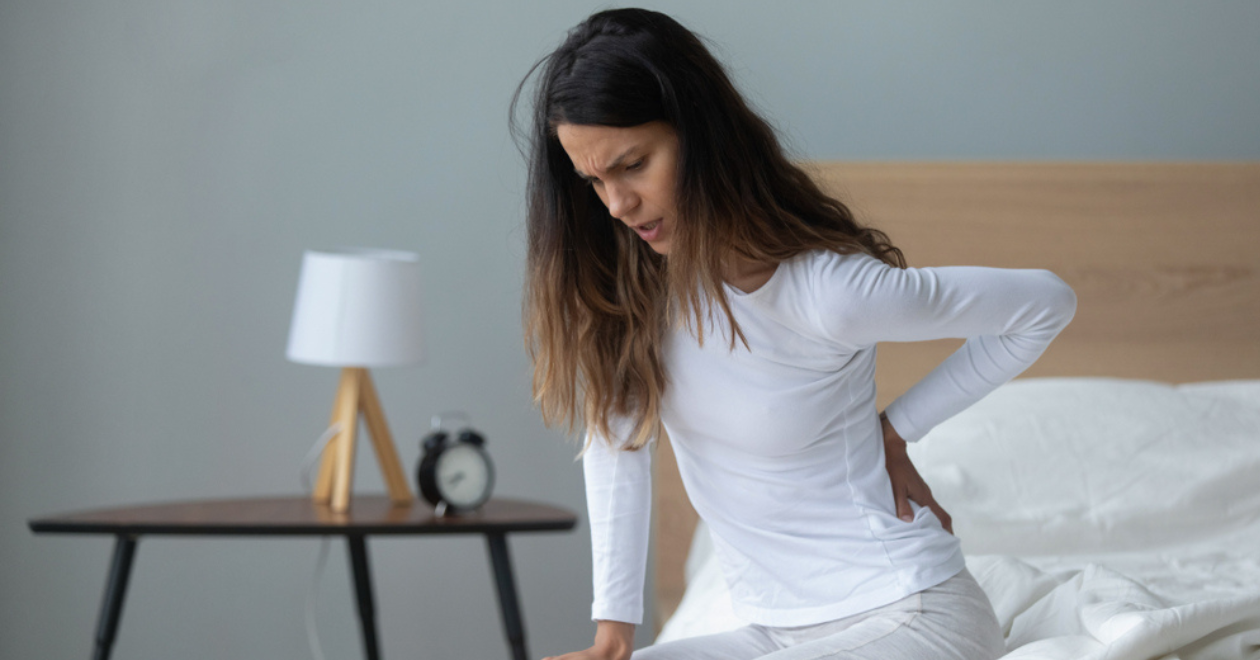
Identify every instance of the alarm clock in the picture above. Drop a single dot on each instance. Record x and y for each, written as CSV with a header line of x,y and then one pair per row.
x,y
455,474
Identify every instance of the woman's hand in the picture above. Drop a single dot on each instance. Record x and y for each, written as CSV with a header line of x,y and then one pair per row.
x,y
906,483
614,640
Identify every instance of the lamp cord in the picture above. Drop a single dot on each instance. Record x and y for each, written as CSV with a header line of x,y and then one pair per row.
x,y
312,597
312,591
313,455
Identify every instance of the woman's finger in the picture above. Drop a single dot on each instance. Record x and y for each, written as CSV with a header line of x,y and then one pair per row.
x,y
902,497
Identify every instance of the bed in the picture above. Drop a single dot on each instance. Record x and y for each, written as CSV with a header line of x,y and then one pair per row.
x,y
1108,500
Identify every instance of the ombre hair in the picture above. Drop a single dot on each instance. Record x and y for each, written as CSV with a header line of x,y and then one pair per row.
x,y
598,299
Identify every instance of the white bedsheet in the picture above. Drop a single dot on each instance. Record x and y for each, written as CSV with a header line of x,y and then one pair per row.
x,y
1097,611
1106,519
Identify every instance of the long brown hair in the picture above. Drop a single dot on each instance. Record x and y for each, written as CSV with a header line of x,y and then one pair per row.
x,y
598,300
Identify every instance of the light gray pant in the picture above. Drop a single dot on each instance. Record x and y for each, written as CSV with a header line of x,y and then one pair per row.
x,y
951,621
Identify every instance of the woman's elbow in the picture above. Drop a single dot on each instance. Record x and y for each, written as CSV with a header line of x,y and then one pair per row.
x,y
1060,299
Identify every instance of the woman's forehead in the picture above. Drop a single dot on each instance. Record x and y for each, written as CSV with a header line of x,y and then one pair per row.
x,y
595,148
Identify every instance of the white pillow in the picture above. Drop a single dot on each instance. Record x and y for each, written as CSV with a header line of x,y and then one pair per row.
x,y
1076,465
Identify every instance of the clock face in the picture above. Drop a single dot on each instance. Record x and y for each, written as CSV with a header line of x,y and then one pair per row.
x,y
464,476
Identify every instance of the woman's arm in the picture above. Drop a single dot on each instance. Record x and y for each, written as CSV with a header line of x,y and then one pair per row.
x,y
619,506
1007,316
618,503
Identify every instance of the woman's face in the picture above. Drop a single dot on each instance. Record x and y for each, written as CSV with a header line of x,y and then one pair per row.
x,y
634,171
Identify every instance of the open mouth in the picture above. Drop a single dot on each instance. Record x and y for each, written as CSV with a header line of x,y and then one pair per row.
x,y
649,231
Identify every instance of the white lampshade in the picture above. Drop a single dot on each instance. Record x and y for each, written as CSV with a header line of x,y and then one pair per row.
x,y
357,308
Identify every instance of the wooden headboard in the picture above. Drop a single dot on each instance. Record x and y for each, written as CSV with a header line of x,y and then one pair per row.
x,y
1164,258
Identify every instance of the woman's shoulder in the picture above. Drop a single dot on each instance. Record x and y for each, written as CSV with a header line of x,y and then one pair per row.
x,y
829,268
809,287
817,277
826,257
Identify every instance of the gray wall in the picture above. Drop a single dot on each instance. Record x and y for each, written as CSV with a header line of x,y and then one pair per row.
x,y
163,164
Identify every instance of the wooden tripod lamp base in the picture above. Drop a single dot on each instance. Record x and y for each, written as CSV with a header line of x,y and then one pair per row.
x,y
357,395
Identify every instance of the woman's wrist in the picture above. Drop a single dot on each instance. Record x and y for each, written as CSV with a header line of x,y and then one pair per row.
x,y
614,639
892,440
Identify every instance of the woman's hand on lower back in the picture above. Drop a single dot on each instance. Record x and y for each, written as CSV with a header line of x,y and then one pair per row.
x,y
907,484
614,640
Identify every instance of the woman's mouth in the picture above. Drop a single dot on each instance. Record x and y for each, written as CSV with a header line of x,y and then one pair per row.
x,y
649,231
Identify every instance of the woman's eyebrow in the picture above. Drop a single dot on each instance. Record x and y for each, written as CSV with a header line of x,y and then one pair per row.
x,y
611,166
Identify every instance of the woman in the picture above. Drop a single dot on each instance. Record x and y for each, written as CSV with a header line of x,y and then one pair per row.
x,y
685,279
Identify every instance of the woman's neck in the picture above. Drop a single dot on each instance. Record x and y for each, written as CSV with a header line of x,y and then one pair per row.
x,y
748,275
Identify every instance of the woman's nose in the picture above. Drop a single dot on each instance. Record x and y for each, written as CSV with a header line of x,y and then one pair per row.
x,y
621,201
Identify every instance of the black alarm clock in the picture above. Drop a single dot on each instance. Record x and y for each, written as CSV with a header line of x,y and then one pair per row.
x,y
455,475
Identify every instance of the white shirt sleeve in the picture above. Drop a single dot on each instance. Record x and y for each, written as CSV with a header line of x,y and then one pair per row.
x,y
1007,316
619,505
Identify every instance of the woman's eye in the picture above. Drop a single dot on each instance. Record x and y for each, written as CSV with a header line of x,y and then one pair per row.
x,y
638,164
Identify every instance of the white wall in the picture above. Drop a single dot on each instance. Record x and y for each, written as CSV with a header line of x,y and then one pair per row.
x,y
164,163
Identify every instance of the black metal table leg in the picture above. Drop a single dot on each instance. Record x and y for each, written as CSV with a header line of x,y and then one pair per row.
x,y
508,604
363,594
115,593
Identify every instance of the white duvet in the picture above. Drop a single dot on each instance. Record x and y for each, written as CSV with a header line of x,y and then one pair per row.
x,y
1104,518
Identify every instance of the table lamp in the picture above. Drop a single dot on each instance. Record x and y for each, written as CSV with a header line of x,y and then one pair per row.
x,y
357,309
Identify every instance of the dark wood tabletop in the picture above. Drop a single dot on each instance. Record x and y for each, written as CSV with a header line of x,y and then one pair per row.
x,y
297,515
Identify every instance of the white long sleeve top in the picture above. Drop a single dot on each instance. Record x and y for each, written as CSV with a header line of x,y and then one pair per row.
x,y
779,445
